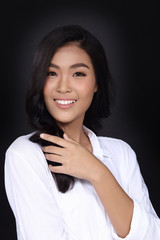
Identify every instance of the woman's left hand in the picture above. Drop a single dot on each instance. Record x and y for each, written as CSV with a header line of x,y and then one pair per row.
x,y
76,160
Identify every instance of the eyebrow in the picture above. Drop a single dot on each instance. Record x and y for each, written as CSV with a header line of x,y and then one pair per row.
x,y
76,65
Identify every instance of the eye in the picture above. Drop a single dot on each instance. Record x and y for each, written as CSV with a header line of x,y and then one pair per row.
x,y
51,74
79,74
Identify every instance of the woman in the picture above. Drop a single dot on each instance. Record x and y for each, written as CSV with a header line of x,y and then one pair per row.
x,y
62,181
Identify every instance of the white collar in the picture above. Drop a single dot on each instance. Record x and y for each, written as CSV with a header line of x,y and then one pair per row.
x,y
97,149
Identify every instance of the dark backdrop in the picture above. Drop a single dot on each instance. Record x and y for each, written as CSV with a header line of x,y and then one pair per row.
x,y
125,29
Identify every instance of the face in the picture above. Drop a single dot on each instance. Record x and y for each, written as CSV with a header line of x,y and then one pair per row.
x,y
70,84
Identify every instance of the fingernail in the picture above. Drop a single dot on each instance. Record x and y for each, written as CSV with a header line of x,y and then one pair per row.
x,y
65,136
42,135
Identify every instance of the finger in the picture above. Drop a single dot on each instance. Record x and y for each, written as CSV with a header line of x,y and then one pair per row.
x,y
54,158
54,139
57,169
53,150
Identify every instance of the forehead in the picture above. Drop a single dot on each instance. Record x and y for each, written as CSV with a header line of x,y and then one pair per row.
x,y
71,53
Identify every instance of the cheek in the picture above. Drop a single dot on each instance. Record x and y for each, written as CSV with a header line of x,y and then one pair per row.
x,y
48,88
86,94
87,88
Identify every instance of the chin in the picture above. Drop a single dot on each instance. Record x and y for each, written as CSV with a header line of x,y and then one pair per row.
x,y
64,121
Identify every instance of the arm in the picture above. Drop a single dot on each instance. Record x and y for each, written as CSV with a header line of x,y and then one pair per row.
x,y
145,222
79,162
32,195
118,205
130,221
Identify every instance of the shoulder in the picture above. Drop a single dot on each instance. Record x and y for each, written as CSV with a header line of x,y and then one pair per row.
x,y
23,150
23,143
25,159
115,145
121,153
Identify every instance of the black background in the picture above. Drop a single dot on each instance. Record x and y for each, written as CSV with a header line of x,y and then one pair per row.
x,y
126,29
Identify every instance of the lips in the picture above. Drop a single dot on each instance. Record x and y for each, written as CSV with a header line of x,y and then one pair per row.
x,y
65,103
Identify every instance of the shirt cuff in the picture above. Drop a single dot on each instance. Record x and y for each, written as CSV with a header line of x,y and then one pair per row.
x,y
139,224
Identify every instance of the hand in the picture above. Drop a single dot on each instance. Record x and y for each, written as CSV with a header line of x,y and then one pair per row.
x,y
76,160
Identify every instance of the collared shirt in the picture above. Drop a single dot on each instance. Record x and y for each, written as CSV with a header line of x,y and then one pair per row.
x,y
43,213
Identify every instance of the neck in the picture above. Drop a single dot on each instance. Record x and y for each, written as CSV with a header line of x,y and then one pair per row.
x,y
75,131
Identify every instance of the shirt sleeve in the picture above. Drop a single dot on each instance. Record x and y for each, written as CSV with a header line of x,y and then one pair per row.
x,y
33,196
145,223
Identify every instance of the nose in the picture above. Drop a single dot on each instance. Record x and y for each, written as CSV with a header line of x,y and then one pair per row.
x,y
64,85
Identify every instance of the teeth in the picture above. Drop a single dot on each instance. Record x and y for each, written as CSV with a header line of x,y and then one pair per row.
x,y
65,102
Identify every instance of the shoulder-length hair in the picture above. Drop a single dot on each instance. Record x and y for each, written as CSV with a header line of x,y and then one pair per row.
x,y
39,117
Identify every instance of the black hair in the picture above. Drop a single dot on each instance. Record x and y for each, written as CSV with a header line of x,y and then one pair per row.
x,y
38,115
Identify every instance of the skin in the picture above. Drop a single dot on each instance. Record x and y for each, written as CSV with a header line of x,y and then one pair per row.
x,y
71,76
66,80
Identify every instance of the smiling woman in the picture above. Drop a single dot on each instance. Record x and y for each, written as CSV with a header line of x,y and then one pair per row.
x,y
62,181
70,85
56,46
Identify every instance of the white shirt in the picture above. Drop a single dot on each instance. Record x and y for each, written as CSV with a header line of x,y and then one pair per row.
x,y
44,213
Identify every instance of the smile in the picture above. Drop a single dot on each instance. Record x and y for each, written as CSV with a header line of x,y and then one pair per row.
x,y
64,102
